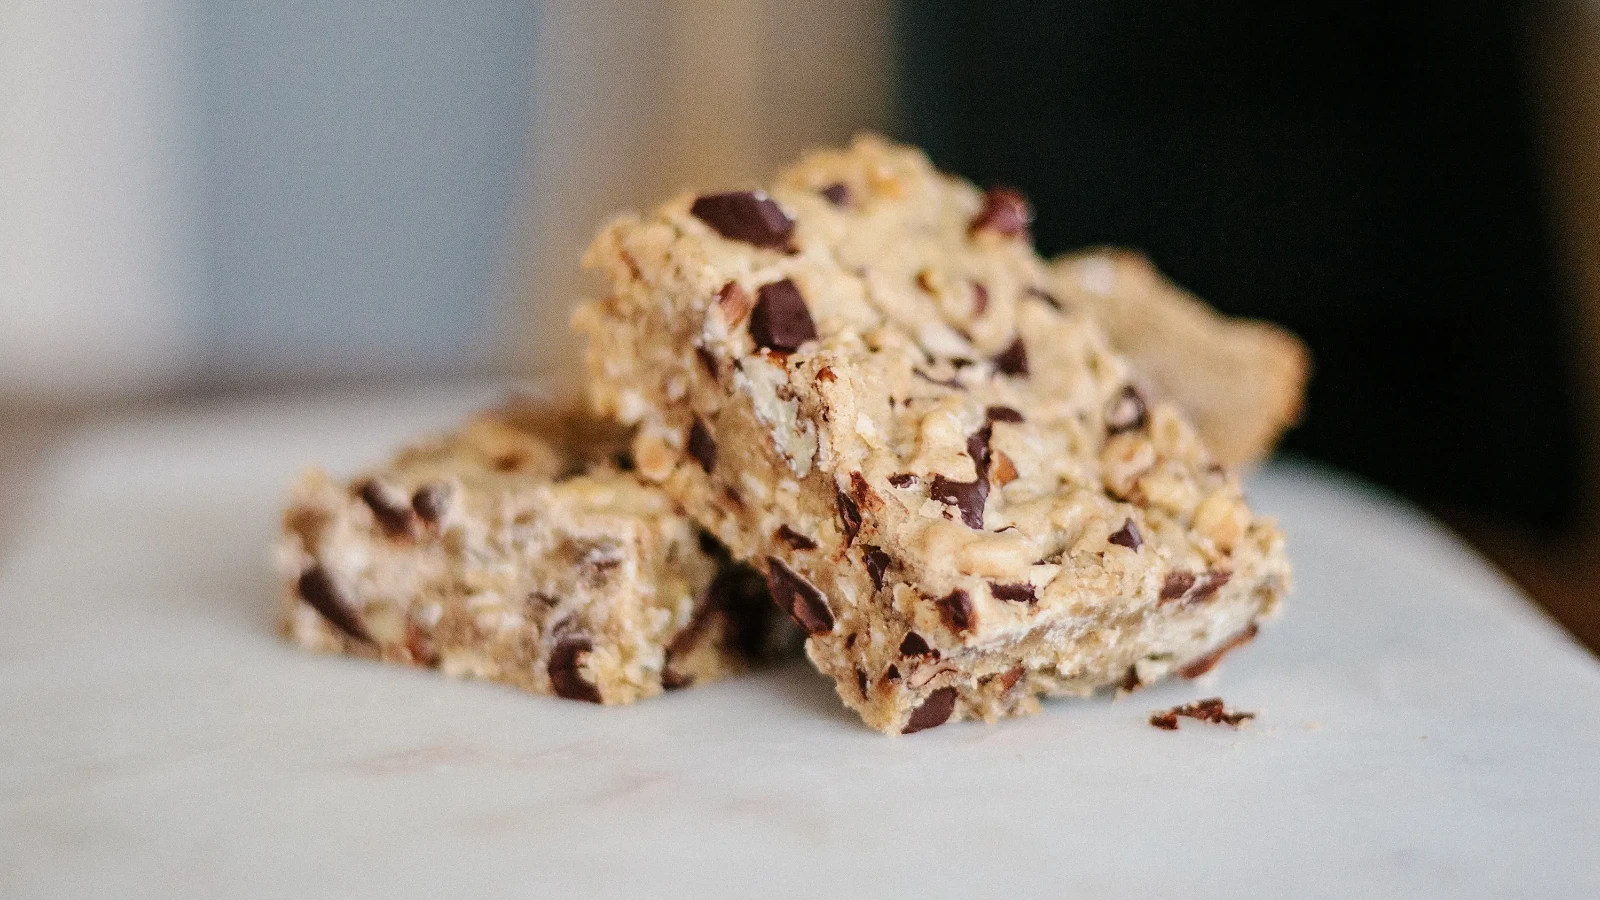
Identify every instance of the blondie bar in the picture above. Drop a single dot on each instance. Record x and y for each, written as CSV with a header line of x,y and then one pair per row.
x,y
517,549
862,382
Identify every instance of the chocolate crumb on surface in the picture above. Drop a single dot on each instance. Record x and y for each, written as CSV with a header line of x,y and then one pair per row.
x,y
1211,710
748,216
781,320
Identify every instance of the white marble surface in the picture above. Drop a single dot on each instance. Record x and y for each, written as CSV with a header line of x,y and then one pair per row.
x,y
1423,732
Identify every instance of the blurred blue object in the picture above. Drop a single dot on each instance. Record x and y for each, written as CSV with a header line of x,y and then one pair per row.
x,y
357,166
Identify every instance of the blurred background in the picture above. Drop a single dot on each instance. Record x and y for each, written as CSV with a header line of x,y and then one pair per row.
x,y
203,200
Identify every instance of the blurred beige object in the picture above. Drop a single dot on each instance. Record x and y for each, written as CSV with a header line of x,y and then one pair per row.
x,y
634,102
1243,382
94,292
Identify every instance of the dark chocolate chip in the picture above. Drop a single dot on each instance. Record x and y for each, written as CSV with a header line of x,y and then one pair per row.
x,y
915,645
877,564
892,673
1214,581
849,515
1005,211
933,712
1127,412
749,216
1046,296
795,539
978,449
798,597
861,682
701,445
837,194
317,589
393,516
566,677
1014,359
780,320
707,359
671,680
623,460
980,299
956,610
967,496
431,501
1206,663
710,546
1175,585
1127,536
1016,593
903,480
1002,414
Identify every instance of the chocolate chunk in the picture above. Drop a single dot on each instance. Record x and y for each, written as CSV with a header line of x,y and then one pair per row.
x,y
795,539
566,676
1206,663
1046,296
892,673
798,597
1127,412
701,446
780,320
749,216
1005,211
1016,593
915,645
431,501
980,299
933,712
903,480
849,515
1127,536
837,194
978,449
1175,585
1002,414
393,515
967,496
317,589
1166,721
708,360
956,610
1209,587
861,682
1014,359
623,461
877,564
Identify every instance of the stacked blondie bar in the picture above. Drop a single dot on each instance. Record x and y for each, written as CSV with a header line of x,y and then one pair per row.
x,y
968,478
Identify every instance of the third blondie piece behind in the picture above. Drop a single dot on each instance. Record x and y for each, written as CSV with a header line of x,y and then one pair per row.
x,y
862,384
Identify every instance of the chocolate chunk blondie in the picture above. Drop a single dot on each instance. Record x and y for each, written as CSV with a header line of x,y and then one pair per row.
x,y
863,383
1241,382
519,550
